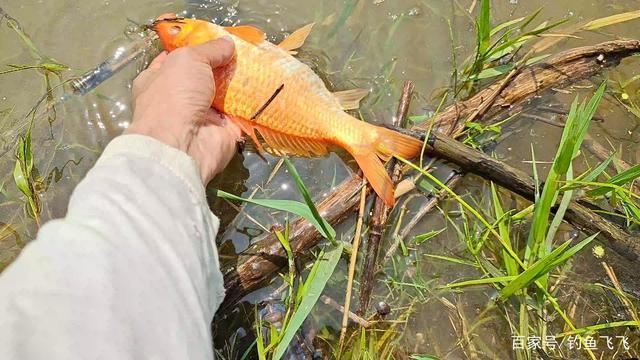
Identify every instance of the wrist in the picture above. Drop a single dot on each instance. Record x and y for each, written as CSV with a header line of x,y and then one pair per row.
x,y
176,138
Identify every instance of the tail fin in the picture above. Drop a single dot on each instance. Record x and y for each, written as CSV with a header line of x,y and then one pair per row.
x,y
387,144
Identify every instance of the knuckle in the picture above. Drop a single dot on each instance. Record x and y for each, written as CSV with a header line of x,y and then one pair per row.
x,y
184,52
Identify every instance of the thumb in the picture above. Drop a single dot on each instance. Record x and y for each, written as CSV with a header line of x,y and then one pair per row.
x,y
216,53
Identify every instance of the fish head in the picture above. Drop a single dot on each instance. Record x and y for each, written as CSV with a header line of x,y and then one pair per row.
x,y
175,32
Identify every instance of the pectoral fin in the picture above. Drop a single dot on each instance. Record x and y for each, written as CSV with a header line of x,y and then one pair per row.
x,y
350,99
247,33
296,39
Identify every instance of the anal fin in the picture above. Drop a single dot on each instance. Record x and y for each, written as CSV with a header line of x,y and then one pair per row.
x,y
350,99
278,143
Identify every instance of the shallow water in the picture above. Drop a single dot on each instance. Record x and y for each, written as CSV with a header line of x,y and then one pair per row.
x,y
381,44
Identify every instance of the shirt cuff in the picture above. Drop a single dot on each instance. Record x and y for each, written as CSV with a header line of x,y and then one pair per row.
x,y
178,162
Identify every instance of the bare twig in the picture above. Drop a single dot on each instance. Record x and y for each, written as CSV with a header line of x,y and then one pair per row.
x,y
353,317
352,263
381,212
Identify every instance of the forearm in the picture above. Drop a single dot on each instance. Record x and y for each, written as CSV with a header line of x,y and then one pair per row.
x,y
132,268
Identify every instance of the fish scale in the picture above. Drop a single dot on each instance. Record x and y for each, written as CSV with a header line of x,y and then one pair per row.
x,y
304,118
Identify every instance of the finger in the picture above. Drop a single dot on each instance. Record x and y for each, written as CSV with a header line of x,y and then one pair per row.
x,y
143,80
158,61
216,53
216,118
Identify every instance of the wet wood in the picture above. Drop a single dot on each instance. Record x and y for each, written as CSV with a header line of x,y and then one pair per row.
x,y
559,70
262,261
381,211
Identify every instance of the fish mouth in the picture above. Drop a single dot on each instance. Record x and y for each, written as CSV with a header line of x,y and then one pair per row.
x,y
153,26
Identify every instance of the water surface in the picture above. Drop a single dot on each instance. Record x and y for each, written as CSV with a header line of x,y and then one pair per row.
x,y
368,44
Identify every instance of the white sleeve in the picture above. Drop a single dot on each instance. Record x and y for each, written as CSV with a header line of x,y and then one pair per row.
x,y
131,272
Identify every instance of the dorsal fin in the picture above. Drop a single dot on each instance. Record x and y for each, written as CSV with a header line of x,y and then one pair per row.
x,y
350,99
247,33
296,39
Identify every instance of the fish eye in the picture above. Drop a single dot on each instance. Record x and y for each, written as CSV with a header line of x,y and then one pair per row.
x,y
175,30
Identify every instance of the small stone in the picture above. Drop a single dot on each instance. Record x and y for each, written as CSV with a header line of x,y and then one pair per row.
x,y
382,308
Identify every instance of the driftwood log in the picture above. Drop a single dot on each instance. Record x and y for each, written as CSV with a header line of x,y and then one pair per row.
x,y
266,257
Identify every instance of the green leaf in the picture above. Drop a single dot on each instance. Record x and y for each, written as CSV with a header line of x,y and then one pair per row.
x,y
505,25
419,239
291,206
504,229
483,25
325,269
544,266
452,260
503,69
611,20
345,14
424,357
20,180
593,175
594,328
54,67
492,280
327,230
621,179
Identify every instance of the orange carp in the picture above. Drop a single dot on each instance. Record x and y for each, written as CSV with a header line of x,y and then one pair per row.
x,y
270,94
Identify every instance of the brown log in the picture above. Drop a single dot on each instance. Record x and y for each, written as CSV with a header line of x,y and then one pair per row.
x,y
262,261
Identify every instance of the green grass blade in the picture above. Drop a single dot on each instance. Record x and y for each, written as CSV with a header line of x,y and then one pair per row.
x,y
562,209
291,206
419,239
492,280
503,229
345,14
542,267
314,290
611,20
594,328
483,25
505,25
423,357
452,260
593,174
327,230
621,179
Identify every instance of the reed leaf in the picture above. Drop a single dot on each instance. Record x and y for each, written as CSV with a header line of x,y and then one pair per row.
x,y
294,207
327,231
325,266
611,20
543,266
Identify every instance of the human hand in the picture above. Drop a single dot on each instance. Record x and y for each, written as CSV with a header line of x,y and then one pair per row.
x,y
172,103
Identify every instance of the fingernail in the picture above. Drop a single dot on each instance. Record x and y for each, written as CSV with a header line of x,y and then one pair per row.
x,y
226,38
